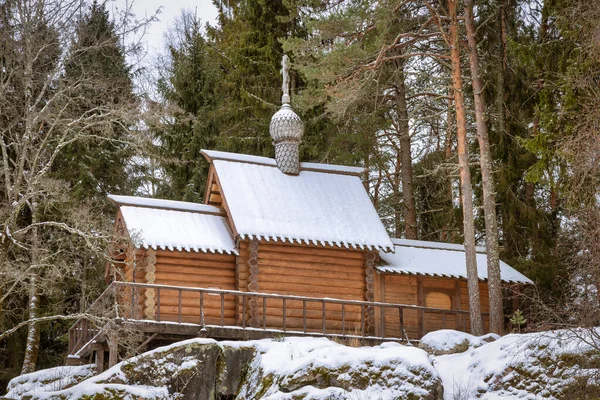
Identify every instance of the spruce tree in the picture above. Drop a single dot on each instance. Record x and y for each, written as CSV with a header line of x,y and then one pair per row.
x,y
98,72
248,41
190,86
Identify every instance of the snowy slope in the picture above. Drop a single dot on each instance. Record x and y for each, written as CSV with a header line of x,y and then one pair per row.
x,y
293,368
549,365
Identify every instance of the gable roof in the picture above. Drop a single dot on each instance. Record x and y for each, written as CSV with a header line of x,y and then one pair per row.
x,y
323,204
175,225
212,155
415,257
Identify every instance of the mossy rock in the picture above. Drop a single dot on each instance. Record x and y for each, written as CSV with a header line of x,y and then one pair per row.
x,y
189,371
361,377
232,369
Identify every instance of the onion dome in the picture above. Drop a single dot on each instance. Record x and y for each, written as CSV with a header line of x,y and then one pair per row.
x,y
286,129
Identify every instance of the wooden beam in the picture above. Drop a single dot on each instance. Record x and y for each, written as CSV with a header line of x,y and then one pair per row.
x,y
420,302
113,351
209,183
100,349
225,206
370,288
253,285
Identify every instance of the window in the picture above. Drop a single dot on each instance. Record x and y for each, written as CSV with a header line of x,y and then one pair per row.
x,y
441,300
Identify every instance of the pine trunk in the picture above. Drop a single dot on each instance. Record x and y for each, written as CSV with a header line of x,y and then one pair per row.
x,y
408,193
446,235
489,195
465,176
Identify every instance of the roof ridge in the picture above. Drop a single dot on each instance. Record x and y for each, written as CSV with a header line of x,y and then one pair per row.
x,y
173,205
434,245
212,155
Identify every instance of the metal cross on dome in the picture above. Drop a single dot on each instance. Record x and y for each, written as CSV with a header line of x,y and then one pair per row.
x,y
285,72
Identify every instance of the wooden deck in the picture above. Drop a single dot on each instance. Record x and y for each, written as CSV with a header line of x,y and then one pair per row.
x,y
179,312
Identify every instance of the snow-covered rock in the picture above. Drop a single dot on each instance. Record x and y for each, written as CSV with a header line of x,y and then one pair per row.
x,y
294,368
49,380
447,341
321,369
551,365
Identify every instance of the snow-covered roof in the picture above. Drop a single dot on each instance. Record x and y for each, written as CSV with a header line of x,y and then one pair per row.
x,y
165,204
414,257
305,166
175,225
322,205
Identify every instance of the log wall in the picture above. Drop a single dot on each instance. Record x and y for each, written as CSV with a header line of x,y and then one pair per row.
x,y
412,290
310,271
190,269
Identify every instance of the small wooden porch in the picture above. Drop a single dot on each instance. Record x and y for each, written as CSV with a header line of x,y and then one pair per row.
x,y
172,313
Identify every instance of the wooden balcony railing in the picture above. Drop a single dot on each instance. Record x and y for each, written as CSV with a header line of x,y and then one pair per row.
x,y
266,312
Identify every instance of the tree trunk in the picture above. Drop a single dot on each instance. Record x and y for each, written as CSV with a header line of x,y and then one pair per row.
x,y
33,334
408,193
446,235
465,176
32,344
489,195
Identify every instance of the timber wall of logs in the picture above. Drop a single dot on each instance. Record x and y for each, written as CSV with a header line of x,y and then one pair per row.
x,y
179,268
302,270
405,289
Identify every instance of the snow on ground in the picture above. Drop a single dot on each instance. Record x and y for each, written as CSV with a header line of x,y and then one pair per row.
x,y
524,366
308,368
323,369
49,380
546,365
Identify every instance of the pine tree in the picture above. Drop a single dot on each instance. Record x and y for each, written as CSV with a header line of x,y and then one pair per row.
x,y
487,178
465,175
359,77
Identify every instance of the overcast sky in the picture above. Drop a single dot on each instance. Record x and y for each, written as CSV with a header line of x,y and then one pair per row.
x,y
169,10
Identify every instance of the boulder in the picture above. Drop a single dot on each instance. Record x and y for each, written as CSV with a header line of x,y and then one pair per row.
x,y
448,341
322,369
233,367
188,370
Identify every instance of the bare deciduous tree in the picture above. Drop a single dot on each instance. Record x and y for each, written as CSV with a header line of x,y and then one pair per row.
x,y
43,231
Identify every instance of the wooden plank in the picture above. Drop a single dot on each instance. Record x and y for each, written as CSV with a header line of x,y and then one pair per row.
x,y
194,255
315,280
215,198
194,303
303,269
195,311
400,280
303,249
173,262
198,284
311,289
228,280
314,314
225,206
401,298
307,258
198,273
438,283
